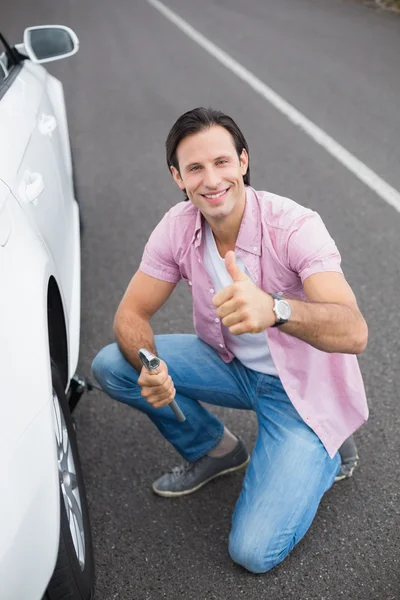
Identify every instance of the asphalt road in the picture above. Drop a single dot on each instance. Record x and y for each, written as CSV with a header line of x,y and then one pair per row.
x,y
335,61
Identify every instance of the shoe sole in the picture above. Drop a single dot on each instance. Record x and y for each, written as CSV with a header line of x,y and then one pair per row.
x,y
348,475
166,494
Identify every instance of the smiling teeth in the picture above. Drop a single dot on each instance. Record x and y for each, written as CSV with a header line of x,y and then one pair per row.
x,y
211,196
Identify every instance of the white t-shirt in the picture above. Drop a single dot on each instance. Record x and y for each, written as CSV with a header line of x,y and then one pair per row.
x,y
250,348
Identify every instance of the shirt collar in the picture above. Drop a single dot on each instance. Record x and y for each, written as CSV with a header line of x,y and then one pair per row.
x,y
197,230
249,237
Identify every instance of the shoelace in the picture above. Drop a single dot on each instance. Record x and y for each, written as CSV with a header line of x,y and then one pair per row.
x,y
184,468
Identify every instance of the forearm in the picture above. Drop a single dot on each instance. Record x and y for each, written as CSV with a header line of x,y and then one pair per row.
x,y
328,327
133,332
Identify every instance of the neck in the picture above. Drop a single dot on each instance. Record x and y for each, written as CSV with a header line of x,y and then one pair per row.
x,y
225,237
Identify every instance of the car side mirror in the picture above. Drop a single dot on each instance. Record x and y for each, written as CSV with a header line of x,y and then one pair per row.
x,y
47,43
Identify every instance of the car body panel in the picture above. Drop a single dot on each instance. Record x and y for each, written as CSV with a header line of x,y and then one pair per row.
x,y
39,242
25,268
30,512
45,153
29,488
6,222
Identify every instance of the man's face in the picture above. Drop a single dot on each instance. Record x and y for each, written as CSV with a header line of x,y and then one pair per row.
x,y
211,172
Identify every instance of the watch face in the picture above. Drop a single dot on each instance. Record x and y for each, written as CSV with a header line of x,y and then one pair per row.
x,y
284,311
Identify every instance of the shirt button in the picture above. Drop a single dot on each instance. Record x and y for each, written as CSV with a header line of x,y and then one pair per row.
x,y
198,236
198,260
217,320
221,345
255,248
190,283
212,290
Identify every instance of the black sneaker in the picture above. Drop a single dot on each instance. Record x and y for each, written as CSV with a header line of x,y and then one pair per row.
x,y
349,456
190,477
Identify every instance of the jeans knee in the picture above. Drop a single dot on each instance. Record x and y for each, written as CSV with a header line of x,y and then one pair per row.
x,y
106,366
255,555
100,365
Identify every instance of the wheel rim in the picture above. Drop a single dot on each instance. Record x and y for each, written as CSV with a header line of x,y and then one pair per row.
x,y
68,483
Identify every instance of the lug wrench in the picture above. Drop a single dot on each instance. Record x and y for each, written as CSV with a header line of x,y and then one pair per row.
x,y
152,362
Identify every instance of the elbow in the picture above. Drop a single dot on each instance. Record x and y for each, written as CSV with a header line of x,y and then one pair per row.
x,y
117,324
361,340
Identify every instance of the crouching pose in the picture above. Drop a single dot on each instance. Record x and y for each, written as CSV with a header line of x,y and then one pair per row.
x,y
277,330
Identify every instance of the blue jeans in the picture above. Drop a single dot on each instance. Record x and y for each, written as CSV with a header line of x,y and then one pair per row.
x,y
289,470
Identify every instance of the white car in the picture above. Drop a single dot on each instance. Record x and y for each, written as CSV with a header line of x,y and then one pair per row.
x,y
45,540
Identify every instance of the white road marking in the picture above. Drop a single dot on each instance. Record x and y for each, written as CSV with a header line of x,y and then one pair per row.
x,y
346,158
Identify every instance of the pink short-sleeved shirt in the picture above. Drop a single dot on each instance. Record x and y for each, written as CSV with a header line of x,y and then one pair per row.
x,y
281,243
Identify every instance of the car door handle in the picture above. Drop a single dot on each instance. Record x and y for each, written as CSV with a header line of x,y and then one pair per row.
x,y
34,186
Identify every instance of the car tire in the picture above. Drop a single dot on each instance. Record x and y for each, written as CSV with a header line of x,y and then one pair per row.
x,y
73,576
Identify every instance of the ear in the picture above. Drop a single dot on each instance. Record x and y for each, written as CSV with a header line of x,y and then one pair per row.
x,y
244,161
177,177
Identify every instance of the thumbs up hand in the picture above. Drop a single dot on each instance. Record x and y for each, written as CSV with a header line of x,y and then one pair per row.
x,y
242,306
231,266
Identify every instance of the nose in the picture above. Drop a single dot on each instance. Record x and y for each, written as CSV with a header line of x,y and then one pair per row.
x,y
212,178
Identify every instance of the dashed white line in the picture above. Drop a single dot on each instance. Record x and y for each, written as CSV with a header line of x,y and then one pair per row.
x,y
346,158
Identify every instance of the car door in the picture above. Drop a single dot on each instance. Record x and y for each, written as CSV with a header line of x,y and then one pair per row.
x,y
37,185
6,223
28,164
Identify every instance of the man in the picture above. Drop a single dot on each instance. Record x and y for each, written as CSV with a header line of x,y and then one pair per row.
x,y
278,328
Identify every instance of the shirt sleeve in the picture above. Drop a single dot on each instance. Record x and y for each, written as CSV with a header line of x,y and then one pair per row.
x,y
310,248
158,259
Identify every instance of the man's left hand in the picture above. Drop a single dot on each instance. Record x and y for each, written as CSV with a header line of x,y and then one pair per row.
x,y
242,306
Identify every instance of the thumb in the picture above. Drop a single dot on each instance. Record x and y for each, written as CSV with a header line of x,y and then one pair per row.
x,y
232,267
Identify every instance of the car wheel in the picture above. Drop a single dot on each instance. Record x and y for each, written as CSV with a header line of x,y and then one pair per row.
x,y
73,576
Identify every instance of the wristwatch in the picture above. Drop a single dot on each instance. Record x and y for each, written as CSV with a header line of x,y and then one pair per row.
x,y
282,309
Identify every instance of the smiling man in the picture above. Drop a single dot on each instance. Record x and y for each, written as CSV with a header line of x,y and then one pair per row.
x,y
277,330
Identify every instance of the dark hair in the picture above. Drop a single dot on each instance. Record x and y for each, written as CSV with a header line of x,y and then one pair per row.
x,y
199,119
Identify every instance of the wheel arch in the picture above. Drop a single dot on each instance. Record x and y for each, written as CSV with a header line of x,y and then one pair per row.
x,y
57,330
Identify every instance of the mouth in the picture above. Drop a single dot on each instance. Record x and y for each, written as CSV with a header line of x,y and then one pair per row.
x,y
216,197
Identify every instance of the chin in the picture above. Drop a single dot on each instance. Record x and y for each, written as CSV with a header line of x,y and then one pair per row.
x,y
220,213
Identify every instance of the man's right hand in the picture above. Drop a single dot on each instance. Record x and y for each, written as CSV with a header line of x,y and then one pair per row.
x,y
157,387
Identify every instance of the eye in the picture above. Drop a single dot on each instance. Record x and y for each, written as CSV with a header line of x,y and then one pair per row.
x,y
194,168
222,161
